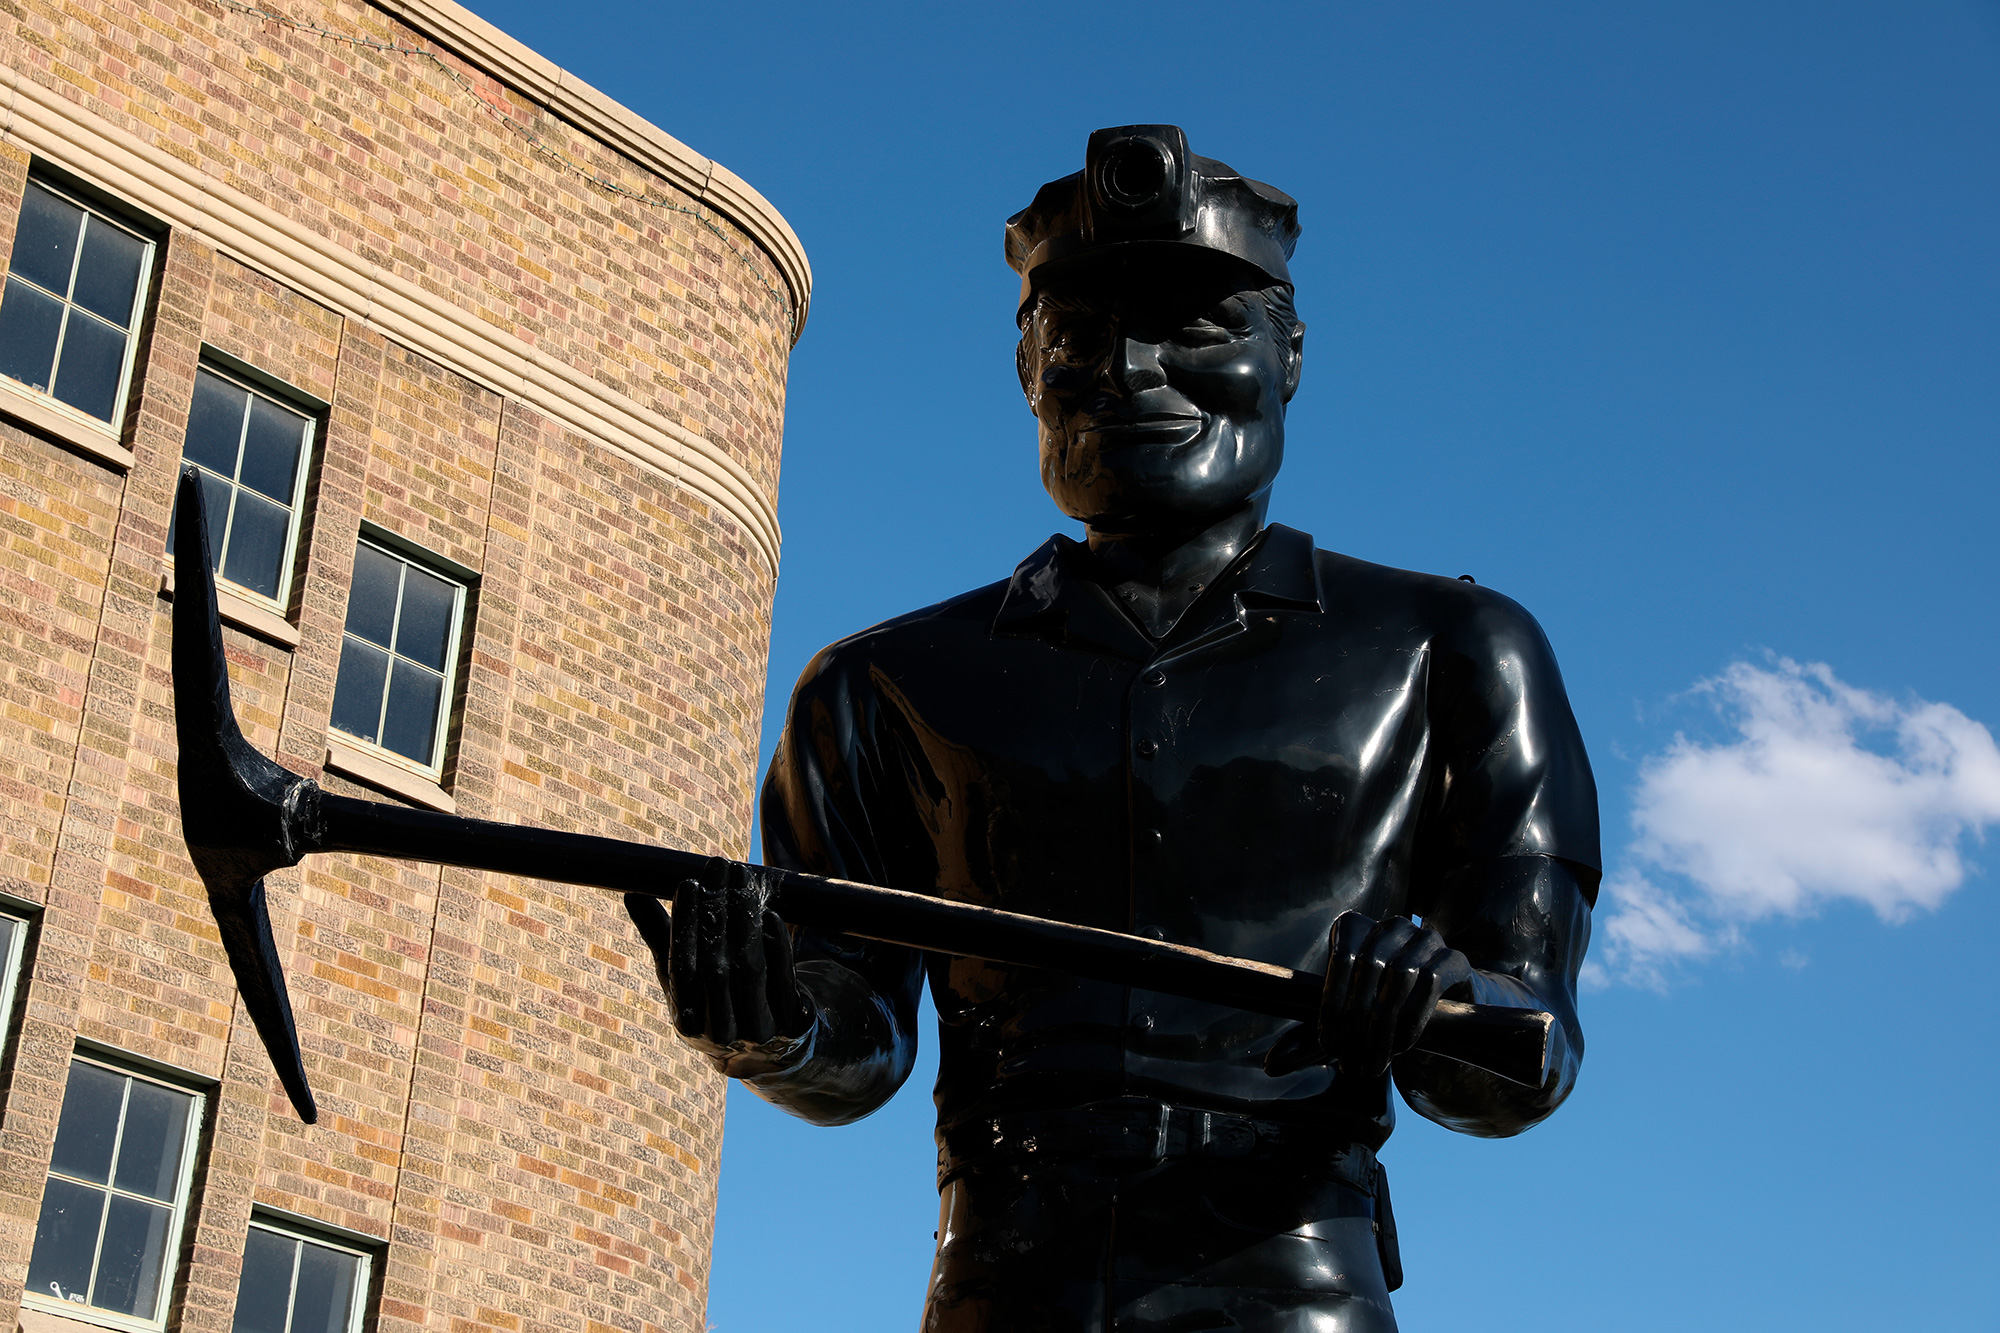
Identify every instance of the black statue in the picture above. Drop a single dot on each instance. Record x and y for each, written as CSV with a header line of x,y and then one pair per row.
x,y
1193,728
1155,816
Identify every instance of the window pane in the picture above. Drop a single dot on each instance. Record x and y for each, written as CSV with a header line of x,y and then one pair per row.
x,y
129,1261
357,692
215,424
45,242
107,279
424,631
257,544
410,729
29,323
271,450
149,1154
371,601
326,1290
89,1125
65,1239
265,1292
93,357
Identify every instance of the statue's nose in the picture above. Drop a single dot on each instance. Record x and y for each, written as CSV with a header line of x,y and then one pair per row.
x,y
1135,366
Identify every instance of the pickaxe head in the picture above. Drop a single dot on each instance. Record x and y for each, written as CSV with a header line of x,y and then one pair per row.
x,y
241,814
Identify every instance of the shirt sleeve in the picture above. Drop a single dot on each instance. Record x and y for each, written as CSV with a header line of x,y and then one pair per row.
x,y
1512,778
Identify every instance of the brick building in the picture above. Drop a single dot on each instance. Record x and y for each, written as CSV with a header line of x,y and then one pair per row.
x,y
486,376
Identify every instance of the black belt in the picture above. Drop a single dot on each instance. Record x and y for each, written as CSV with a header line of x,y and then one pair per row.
x,y
1140,1132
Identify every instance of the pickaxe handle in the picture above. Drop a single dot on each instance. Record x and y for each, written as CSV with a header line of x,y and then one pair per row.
x,y
244,816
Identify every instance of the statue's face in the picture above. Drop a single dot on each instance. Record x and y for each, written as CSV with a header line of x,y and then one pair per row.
x,y
1160,402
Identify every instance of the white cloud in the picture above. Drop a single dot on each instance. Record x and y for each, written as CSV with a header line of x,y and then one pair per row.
x,y
1826,794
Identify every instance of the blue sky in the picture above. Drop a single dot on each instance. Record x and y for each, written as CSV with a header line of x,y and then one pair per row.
x,y
1679,324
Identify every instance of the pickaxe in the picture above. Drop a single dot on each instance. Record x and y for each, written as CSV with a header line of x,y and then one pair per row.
x,y
243,816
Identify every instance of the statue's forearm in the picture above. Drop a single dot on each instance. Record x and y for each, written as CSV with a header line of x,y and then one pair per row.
x,y
1524,922
852,1060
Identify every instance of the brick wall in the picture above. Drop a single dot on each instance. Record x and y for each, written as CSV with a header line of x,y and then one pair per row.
x,y
503,1108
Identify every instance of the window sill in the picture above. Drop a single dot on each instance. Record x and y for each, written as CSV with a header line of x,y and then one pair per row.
x,y
353,762
35,1317
243,613
47,417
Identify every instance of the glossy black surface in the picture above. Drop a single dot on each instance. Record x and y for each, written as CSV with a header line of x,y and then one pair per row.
x,y
1193,728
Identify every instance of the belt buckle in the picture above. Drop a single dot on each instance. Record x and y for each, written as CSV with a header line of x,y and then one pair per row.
x,y
1192,1133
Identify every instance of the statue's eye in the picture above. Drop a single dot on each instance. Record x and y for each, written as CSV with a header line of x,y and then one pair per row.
x,y
1073,340
1204,333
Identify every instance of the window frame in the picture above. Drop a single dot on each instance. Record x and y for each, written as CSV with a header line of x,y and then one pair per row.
x,y
242,376
115,216
317,1233
464,580
183,1198
12,959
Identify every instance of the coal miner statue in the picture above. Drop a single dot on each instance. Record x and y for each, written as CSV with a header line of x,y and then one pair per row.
x,y
1200,836
1193,727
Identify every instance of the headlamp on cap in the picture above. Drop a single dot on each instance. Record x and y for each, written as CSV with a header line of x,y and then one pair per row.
x,y
1142,194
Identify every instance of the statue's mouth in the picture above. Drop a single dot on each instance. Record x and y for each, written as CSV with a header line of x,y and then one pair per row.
x,y
1146,428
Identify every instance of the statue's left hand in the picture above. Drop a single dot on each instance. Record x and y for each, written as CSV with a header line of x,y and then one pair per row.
x,y
1383,982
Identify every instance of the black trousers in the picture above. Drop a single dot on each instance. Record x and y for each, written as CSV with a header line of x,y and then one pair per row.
x,y
1174,1247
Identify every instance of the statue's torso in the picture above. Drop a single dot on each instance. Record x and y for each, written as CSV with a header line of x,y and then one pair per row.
x,y
1286,754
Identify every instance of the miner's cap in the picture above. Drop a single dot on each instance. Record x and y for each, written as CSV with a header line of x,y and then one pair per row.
x,y
1142,194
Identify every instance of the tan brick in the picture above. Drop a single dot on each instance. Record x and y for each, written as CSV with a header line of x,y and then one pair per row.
x,y
502,1107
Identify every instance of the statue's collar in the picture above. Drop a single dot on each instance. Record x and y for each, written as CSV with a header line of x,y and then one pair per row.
x,y
1050,597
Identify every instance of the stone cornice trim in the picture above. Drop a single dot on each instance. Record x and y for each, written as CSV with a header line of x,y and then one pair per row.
x,y
80,141
617,127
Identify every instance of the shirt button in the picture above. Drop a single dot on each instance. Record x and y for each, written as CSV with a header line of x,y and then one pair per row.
x,y
1156,678
1147,749
1144,1022
1152,837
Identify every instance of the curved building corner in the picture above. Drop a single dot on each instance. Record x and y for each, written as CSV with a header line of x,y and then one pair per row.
x,y
486,376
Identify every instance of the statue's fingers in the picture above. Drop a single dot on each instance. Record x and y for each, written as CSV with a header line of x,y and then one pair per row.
x,y
686,987
715,957
1410,994
1343,948
1366,1026
748,994
656,930
791,1013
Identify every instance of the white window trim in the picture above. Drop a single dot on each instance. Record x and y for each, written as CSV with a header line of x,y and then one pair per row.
x,y
10,961
44,414
183,1188
315,1233
461,578
48,401
259,386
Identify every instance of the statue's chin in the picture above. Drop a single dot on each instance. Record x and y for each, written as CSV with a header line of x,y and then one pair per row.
x,y
1118,482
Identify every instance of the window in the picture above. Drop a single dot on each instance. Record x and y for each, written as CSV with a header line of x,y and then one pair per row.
x,y
72,298
398,656
252,451
294,1282
118,1183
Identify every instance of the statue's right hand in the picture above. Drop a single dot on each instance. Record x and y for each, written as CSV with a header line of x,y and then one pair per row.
x,y
725,962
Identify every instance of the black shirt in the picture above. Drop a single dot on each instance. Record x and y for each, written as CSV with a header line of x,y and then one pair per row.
x,y
1316,734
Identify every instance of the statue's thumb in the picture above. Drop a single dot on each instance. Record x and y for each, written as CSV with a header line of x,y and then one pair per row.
x,y
656,928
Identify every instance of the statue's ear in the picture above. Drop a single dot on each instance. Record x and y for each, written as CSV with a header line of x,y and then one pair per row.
x,y
1295,358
